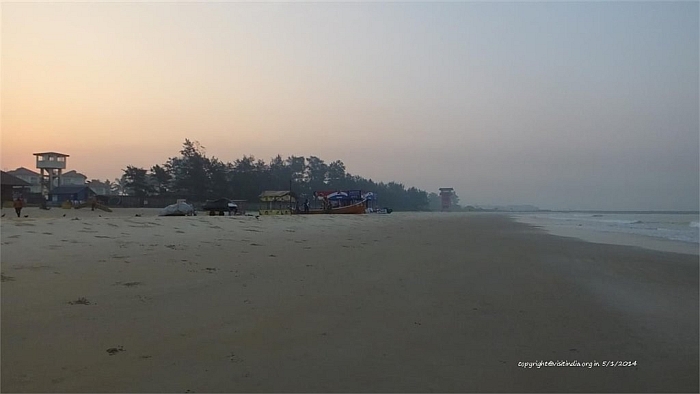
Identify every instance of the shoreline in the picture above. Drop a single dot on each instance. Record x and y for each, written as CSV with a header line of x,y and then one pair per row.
x,y
350,303
611,237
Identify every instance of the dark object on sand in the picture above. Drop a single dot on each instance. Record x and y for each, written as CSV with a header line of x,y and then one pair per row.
x,y
220,206
114,350
93,205
80,301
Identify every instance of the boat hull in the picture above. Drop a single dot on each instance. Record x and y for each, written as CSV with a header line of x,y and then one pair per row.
x,y
353,209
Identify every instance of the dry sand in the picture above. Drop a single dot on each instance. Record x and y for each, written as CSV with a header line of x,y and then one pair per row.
x,y
354,303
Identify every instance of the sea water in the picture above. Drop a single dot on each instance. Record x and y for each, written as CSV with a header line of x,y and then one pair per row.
x,y
670,231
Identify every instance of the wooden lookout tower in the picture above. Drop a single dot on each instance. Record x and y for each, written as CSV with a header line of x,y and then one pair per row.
x,y
446,195
51,166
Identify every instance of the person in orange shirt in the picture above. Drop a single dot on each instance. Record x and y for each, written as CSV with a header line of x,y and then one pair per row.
x,y
18,204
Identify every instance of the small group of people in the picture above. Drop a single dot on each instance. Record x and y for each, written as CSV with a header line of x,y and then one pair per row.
x,y
297,210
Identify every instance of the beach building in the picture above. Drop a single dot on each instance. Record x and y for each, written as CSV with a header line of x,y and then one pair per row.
x,y
12,186
277,202
80,193
33,178
100,188
73,177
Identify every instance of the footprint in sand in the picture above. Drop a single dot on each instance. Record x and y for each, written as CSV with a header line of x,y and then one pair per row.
x,y
13,236
31,267
47,233
114,350
4,278
234,358
80,301
143,298
102,236
128,284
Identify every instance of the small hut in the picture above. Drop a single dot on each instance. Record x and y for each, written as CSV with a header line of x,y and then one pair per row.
x,y
277,202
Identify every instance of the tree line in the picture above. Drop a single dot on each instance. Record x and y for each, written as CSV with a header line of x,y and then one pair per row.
x,y
197,177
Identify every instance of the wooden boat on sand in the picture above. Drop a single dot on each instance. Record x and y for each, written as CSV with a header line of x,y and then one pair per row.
x,y
356,208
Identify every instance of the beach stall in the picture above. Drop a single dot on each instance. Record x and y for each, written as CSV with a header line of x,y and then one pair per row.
x,y
277,202
72,194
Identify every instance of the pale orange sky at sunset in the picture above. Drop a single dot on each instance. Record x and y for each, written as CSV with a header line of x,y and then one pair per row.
x,y
560,105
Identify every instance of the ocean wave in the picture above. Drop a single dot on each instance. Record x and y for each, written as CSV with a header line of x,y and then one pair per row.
x,y
693,224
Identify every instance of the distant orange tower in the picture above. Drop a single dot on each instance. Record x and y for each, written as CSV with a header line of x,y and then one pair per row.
x,y
446,194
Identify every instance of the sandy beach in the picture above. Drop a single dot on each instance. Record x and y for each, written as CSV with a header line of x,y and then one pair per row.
x,y
407,302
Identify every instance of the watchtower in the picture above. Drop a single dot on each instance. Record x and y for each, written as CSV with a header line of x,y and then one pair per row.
x,y
446,194
51,166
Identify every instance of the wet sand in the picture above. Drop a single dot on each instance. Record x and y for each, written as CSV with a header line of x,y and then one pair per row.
x,y
356,303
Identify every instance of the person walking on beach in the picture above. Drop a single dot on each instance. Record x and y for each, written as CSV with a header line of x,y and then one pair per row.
x,y
18,204
232,208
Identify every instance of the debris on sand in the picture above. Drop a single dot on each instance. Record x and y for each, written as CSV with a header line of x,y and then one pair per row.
x,y
80,301
114,350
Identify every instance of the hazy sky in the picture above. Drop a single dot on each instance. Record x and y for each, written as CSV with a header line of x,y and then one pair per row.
x,y
561,105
